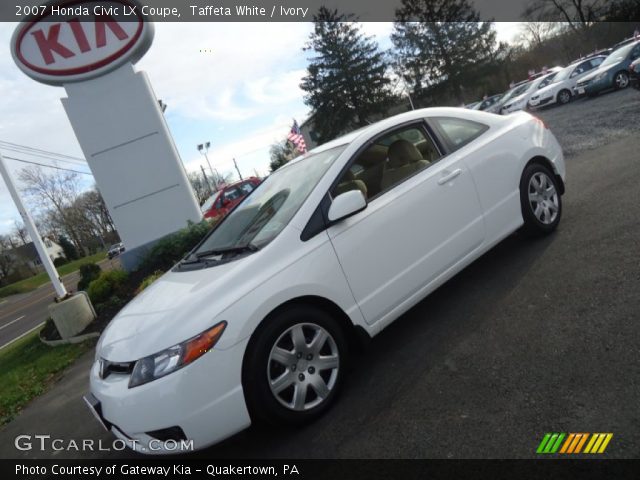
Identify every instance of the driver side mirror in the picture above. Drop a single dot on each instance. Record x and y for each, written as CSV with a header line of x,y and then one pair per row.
x,y
346,204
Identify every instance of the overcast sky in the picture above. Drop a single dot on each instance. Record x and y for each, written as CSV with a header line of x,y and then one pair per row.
x,y
235,85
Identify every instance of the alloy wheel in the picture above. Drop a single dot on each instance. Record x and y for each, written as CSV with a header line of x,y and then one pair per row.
x,y
622,80
303,366
543,198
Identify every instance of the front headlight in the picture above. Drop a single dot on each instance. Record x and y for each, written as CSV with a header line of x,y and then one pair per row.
x,y
174,358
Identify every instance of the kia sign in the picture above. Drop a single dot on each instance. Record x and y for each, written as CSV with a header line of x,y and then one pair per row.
x,y
76,40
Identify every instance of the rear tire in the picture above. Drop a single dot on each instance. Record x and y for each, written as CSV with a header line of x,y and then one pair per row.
x,y
621,80
294,366
540,200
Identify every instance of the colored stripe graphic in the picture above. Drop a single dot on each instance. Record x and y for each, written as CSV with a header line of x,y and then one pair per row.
x,y
598,442
550,443
555,442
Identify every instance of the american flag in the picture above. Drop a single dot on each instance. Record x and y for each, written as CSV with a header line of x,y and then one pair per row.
x,y
295,137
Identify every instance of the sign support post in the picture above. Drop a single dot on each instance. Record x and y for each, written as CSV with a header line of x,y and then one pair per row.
x,y
61,292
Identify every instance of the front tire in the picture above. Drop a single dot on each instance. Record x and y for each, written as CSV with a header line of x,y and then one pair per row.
x,y
540,200
294,366
564,97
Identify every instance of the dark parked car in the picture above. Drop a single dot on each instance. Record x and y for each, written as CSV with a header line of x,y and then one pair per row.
x,y
612,73
634,74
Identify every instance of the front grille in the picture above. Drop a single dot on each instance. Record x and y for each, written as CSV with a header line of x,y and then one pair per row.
x,y
171,433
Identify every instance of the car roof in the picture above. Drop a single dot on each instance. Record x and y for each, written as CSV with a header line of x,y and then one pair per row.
x,y
389,122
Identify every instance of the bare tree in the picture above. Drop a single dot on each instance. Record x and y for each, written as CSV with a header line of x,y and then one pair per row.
x,y
57,191
533,34
20,233
578,14
200,185
7,259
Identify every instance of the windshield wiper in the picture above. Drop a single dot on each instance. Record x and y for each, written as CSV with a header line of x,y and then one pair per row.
x,y
250,247
198,257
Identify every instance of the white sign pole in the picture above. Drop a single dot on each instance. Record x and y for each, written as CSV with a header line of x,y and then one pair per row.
x,y
33,232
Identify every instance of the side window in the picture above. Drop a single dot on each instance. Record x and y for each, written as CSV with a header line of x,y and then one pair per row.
x,y
388,161
458,132
596,61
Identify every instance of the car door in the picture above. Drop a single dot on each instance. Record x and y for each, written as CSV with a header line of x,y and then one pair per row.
x,y
417,227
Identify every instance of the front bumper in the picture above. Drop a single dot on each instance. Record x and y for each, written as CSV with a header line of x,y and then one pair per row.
x,y
539,102
594,86
204,399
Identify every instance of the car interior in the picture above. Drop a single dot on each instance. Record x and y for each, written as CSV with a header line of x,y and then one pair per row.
x,y
387,162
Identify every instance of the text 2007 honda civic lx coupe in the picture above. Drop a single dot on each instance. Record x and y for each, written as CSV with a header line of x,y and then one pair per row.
x,y
255,322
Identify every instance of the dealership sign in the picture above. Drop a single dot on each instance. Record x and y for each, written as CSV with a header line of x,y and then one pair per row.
x,y
64,42
89,47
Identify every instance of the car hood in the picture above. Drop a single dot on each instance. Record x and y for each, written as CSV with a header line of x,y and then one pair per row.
x,y
172,310
598,71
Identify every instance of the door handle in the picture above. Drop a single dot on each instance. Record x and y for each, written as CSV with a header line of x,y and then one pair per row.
x,y
450,176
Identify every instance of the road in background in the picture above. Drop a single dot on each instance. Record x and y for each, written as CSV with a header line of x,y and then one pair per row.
x,y
19,314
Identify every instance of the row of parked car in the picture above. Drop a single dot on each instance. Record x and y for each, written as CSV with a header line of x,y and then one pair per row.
x,y
614,68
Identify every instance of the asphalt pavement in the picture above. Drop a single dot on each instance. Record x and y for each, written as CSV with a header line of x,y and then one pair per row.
x,y
20,314
536,336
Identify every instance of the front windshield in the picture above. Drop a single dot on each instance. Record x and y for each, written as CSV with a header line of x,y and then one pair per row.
x,y
618,55
547,80
564,73
209,203
270,207
517,91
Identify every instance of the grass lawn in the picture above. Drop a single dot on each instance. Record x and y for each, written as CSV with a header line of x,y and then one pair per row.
x,y
29,367
31,283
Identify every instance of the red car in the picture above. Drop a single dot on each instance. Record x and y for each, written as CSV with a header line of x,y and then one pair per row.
x,y
223,201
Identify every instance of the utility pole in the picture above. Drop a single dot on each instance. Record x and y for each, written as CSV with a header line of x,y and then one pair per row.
x,y
204,149
237,169
33,232
206,180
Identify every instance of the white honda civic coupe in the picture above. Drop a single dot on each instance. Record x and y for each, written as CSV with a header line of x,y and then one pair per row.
x,y
255,323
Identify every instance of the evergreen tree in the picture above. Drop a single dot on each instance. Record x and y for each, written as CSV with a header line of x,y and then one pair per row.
x,y
346,85
440,41
280,154
68,248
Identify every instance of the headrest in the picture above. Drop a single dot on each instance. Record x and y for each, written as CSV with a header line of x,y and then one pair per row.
x,y
403,152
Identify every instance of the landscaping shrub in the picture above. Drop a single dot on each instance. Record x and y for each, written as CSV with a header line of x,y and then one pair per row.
x,y
166,253
88,273
59,261
108,284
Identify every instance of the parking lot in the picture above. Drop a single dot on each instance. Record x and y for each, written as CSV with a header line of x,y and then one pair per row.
x,y
536,336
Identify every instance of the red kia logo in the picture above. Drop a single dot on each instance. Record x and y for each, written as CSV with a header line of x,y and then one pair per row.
x,y
75,40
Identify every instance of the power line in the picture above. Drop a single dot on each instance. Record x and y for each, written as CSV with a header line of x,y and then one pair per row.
x,y
17,150
39,150
48,166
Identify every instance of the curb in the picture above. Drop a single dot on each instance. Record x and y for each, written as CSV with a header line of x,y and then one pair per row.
x,y
67,341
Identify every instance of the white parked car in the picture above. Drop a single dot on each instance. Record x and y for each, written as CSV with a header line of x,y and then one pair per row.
x,y
256,322
561,89
520,100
